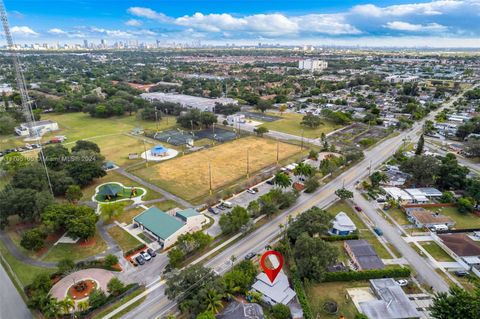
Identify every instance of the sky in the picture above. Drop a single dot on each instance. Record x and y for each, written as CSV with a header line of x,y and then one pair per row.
x,y
441,23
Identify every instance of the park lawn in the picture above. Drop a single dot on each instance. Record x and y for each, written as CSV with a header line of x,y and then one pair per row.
x,y
188,176
113,176
76,251
461,220
364,232
127,216
123,193
122,301
318,294
79,125
123,238
436,251
290,124
25,273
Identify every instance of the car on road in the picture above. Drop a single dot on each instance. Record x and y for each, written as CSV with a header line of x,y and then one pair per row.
x,y
270,182
378,231
212,210
151,252
145,256
139,259
250,255
252,191
357,208
402,282
461,273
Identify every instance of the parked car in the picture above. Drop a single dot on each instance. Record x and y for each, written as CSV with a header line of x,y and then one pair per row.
x,y
378,231
151,252
270,182
226,204
139,259
357,208
250,255
402,282
145,256
251,191
461,273
212,210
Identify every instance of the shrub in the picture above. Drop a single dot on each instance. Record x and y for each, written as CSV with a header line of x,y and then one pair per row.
x,y
131,251
367,274
280,311
340,238
33,239
110,260
302,298
65,265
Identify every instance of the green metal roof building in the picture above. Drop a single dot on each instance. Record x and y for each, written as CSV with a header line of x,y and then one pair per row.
x,y
159,223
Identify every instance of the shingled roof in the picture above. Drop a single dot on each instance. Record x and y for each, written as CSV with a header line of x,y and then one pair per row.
x,y
461,244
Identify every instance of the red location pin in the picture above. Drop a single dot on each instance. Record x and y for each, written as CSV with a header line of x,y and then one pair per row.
x,y
271,273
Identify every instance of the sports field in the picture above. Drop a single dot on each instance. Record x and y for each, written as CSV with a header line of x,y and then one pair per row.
x,y
290,124
188,176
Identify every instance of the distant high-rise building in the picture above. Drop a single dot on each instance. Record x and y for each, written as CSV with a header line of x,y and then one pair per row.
x,y
312,65
103,43
85,44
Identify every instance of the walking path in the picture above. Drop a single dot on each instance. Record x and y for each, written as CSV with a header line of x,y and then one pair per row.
x,y
155,188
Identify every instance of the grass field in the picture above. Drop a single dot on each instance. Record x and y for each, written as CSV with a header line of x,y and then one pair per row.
x,y
188,176
75,251
318,294
77,126
24,272
123,239
290,123
436,251
364,232
398,215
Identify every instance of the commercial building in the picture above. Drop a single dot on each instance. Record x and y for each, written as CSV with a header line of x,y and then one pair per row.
x,y
342,225
312,65
425,218
188,101
392,302
166,228
40,128
363,255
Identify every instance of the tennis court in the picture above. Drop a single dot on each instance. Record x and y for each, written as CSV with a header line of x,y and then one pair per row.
x,y
261,117
180,137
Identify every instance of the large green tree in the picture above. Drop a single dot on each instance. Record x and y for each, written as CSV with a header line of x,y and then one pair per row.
x,y
457,303
314,221
313,256
234,220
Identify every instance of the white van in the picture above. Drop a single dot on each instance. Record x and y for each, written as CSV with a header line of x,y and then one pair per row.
x,y
439,228
226,204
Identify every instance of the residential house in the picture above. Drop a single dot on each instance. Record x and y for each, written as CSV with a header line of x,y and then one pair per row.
x,y
342,225
363,255
425,218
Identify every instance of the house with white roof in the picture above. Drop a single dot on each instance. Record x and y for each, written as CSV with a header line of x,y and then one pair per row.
x,y
398,194
342,225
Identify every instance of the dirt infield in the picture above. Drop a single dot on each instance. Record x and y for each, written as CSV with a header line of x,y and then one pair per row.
x,y
188,176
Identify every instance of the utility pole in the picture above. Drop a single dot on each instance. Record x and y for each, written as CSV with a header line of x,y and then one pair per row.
x,y
278,146
248,162
210,176
146,154
156,117
301,147
370,168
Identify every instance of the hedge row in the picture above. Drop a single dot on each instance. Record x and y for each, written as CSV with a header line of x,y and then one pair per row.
x,y
131,251
396,271
340,237
302,298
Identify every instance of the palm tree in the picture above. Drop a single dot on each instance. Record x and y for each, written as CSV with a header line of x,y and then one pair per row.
x,y
52,308
214,301
282,180
67,304
303,169
82,305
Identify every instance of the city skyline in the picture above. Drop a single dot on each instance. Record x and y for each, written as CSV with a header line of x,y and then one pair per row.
x,y
445,23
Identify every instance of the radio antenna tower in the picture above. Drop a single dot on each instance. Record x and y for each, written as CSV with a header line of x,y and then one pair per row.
x,y
22,88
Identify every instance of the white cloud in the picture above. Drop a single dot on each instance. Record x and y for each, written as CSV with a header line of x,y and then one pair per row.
x,y
147,13
112,33
333,24
133,23
405,26
432,8
23,31
57,31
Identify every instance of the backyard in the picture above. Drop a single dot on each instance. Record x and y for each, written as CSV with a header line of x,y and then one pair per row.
x,y
290,124
318,294
188,176
461,220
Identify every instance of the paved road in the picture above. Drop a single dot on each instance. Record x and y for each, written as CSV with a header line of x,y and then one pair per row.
x,y
12,305
155,188
158,305
474,167
393,235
